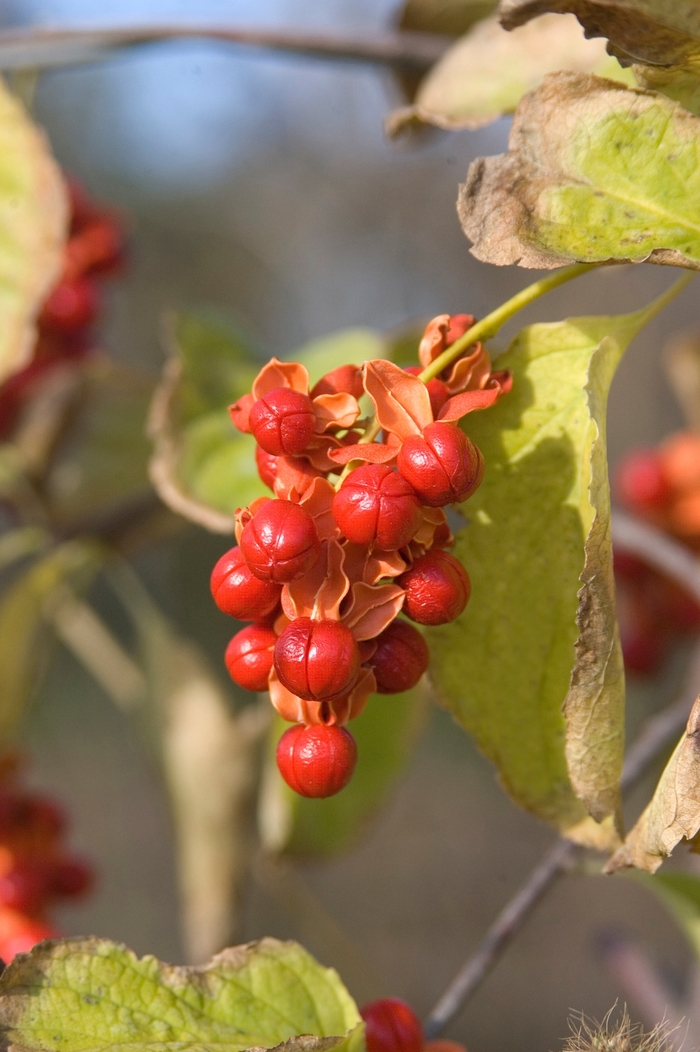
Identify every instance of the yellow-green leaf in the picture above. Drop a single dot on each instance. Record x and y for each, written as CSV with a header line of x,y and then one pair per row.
x,y
386,734
25,610
93,994
595,172
33,219
533,667
485,74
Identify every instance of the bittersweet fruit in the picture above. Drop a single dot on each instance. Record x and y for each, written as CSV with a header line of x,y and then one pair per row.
x,y
267,467
442,464
72,878
316,761
317,660
400,659
280,543
437,588
376,506
640,480
391,1026
249,657
283,421
238,592
72,305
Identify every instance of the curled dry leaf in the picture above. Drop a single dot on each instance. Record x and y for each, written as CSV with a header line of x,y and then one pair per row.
x,y
451,17
592,174
680,82
485,74
33,224
657,32
90,993
674,811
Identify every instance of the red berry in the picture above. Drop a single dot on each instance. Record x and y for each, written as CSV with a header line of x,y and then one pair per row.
x,y
238,592
629,567
442,464
249,656
316,761
280,543
73,304
25,887
376,506
437,390
640,480
347,379
283,421
643,650
72,878
679,457
391,1026
317,660
400,659
97,248
267,467
46,816
437,588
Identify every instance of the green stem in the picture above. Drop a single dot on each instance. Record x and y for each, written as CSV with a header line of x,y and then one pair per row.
x,y
494,321
490,325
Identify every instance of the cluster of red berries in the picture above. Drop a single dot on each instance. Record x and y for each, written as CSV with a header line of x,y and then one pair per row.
x,y
392,1026
662,486
94,250
35,870
325,568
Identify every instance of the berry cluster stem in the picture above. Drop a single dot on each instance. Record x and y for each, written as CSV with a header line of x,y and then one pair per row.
x,y
482,330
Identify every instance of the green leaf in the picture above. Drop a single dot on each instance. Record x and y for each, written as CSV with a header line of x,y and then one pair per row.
x,y
103,458
86,995
25,612
533,668
595,172
386,734
680,893
451,17
659,32
201,466
485,74
209,756
33,219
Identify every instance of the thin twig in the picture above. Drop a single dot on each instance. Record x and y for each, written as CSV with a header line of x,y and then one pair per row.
x,y
658,550
47,48
656,734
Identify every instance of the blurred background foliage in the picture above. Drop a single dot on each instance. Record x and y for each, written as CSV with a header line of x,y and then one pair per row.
x,y
263,188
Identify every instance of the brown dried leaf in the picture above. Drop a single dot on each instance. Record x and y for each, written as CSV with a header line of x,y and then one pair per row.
x,y
659,32
674,810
